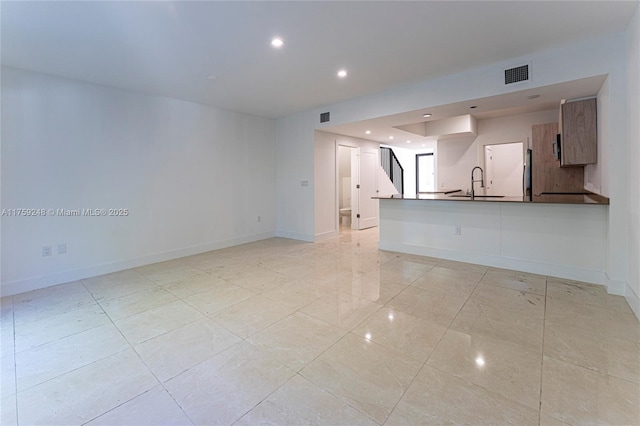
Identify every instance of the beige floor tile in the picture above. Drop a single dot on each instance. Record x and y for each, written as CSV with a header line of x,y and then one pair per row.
x,y
500,325
7,375
218,298
35,333
343,310
154,322
576,395
300,402
516,280
227,386
252,315
589,294
608,355
435,397
462,266
261,281
521,302
298,294
136,303
401,276
194,285
44,362
154,407
363,374
436,307
173,275
503,369
290,269
460,272
176,351
8,411
371,289
85,393
404,264
117,284
297,339
357,323
443,283
411,336
7,336
60,299
235,268
602,321
547,420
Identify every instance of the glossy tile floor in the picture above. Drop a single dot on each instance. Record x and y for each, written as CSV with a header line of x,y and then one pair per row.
x,y
336,333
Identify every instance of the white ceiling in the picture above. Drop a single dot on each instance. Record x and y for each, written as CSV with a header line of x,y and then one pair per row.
x,y
169,48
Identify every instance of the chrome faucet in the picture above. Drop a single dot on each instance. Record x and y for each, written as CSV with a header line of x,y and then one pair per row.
x,y
473,181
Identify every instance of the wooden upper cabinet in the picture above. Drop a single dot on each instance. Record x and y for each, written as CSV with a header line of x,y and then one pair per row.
x,y
579,134
547,175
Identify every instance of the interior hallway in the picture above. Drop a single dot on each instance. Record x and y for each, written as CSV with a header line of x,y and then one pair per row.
x,y
337,332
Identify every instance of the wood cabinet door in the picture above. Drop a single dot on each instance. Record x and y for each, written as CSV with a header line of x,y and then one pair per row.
x,y
547,176
579,144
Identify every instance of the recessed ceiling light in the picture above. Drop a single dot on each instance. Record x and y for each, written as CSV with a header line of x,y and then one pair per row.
x,y
342,73
408,141
277,42
368,132
211,77
390,137
424,144
533,96
426,115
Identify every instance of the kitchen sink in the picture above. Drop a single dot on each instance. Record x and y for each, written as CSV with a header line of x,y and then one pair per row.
x,y
477,196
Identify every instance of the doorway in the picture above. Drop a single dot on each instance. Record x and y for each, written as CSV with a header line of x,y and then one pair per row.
x,y
425,173
357,184
346,197
504,169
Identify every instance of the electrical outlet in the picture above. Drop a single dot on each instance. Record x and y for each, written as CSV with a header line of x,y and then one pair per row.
x,y
46,251
62,248
442,185
458,230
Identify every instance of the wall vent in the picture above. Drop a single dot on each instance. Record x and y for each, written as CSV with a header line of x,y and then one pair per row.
x,y
324,117
516,74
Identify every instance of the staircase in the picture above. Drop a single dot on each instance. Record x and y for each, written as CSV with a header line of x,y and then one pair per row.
x,y
392,167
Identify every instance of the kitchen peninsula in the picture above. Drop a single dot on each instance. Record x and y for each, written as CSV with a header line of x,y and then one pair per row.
x,y
560,235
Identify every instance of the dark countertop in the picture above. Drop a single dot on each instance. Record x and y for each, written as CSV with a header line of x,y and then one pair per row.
x,y
544,198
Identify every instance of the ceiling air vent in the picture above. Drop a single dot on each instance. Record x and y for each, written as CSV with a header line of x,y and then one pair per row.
x,y
516,74
324,117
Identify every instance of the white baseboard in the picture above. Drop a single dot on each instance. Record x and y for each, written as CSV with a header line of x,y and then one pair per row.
x,y
559,271
326,235
633,300
20,286
615,287
296,236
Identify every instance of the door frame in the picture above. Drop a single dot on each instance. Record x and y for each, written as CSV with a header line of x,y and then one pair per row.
x,y
525,146
339,144
418,170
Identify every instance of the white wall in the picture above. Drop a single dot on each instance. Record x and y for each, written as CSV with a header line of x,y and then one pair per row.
x,y
458,156
193,178
325,186
632,291
598,56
